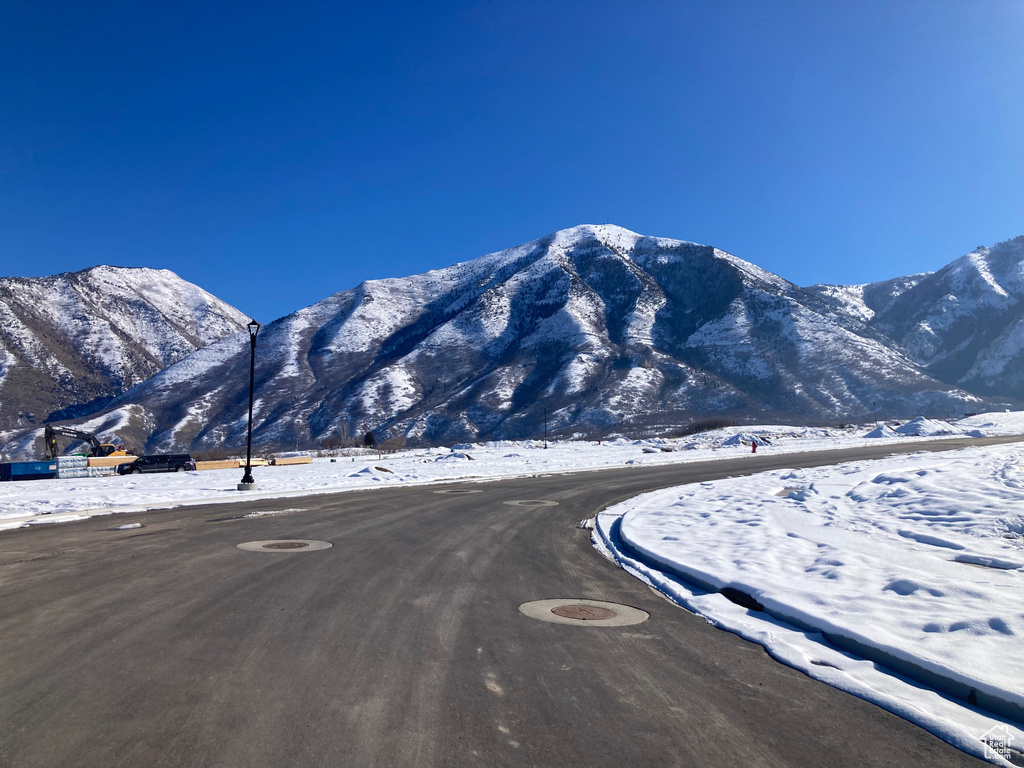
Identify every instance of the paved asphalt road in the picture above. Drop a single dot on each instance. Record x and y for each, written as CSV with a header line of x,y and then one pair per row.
x,y
400,646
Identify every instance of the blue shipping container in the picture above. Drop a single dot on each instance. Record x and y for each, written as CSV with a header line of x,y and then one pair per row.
x,y
28,470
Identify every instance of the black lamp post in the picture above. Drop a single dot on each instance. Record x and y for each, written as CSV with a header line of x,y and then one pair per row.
x,y
248,483
545,428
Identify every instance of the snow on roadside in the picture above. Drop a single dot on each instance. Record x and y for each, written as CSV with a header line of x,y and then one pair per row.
x,y
998,423
918,560
51,501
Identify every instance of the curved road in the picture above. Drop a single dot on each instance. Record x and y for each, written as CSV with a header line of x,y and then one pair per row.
x,y
402,645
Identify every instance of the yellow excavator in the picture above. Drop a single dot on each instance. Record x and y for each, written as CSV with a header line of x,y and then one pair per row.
x,y
98,449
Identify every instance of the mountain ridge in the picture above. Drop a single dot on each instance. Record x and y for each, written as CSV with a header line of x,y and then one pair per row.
x,y
73,341
602,327
963,323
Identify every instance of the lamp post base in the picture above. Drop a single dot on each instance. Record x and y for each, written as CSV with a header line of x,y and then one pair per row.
x,y
248,486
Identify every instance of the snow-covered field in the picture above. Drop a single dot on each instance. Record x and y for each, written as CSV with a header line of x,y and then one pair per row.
x,y
915,562
50,501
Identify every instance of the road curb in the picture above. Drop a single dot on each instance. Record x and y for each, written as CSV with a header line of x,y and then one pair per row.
x,y
958,687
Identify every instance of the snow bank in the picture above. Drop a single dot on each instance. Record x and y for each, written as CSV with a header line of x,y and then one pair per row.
x,y
922,427
916,562
996,423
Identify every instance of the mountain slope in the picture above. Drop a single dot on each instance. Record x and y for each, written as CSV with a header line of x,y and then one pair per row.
x,y
600,326
71,342
963,324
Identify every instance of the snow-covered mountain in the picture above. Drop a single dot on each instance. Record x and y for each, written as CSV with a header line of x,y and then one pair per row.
x,y
601,327
72,342
963,324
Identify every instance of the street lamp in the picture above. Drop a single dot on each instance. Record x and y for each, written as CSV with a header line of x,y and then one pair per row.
x,y
545,428
248,484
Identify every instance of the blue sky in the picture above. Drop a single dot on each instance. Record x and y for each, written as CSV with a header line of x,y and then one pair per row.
x,y
276,153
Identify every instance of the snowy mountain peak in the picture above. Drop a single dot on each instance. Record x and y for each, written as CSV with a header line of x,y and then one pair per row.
x,y
964,324
77,339
641,249
999,268
611,236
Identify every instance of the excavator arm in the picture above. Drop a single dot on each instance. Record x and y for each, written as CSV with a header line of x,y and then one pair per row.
x,y
98,449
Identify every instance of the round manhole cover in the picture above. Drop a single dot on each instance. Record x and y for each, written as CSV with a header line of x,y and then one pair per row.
x,y
583,612
285,545
591,613
458,491
531,503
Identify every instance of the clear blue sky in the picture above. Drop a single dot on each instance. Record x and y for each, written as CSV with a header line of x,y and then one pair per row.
x,y
275,153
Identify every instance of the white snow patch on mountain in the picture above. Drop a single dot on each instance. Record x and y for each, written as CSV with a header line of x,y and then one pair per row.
x,y
994,359
576,374
755,273
728,342
502,385
974,267
851,297
640,321
6,360
636,391
197,365
289,338
392,389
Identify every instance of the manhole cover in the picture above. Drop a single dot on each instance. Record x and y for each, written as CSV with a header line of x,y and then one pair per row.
x,y
531,503
458,491
591,613
583,612
285,545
